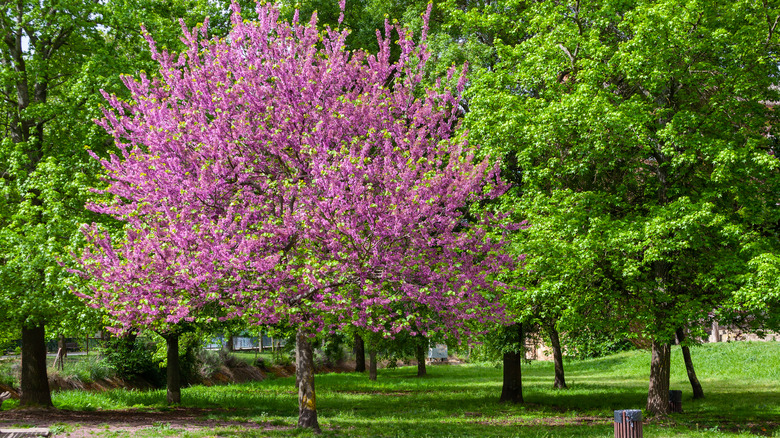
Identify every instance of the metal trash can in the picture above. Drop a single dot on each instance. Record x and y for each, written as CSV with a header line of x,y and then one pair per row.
x,y
628,423
675,400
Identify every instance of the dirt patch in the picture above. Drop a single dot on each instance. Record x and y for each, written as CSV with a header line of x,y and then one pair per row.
x,y
89,423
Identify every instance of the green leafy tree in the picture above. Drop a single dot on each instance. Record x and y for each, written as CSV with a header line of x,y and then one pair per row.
x,y
645,154
55,56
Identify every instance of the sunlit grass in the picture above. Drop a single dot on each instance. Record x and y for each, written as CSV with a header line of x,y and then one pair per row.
x,y
741,383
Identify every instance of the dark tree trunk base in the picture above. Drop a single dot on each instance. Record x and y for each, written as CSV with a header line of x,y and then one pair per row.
x,y
35,381
512,388
658,393
304,376
372,365
555,340
173,370
420,356
360,355
698,391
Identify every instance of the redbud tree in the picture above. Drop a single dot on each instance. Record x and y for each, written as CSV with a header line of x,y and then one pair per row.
x,y
286,179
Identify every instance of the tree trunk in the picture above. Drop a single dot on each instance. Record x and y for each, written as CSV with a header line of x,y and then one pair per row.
x,y
372,365
173,369
715,331
35,381
62,352
660,364
360,354
698,392
420,355
555,340
304,376
512,389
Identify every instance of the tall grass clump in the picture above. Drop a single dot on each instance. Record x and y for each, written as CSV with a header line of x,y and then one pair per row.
x,y
10,372
88,368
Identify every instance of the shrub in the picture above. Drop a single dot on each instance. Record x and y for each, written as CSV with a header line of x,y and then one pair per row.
x,y
209,362
132,357
586,344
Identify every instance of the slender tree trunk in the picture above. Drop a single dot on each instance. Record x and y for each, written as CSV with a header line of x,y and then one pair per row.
x,y
512,389
35,381
698,392
555,340
304,376
372,365
420,355
62,352
715,331
173,369
660,365
360,354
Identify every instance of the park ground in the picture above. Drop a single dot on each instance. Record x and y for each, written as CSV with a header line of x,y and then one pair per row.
x,y
741,381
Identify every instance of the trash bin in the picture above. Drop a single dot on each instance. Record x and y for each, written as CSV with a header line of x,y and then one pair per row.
x,y
675,400
628,423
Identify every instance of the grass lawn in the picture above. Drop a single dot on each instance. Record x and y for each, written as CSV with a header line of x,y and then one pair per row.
x,y
741,383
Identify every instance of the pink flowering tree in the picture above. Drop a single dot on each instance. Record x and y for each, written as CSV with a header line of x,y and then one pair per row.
x,y
281,177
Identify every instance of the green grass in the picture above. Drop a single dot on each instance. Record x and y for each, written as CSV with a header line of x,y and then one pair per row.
x,y
741,383
249,356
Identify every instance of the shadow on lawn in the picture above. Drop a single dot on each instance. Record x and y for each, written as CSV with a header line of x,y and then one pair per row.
x,y
463,401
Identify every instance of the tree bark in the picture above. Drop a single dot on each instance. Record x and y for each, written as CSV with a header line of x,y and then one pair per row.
x,y
555,340
660,365
304,376
512,388
35,381
372,365
173,369
698,392
420,356
62,352
360,354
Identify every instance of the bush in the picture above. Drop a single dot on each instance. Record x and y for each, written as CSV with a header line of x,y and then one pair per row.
x,y
133,357
209,362
190,344
587,344
333,351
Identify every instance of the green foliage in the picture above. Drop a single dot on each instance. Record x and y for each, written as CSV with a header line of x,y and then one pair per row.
x,y
588,344
9,372
333,350
132,358
635,134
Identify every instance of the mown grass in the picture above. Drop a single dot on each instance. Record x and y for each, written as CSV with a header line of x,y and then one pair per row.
x,y
741,382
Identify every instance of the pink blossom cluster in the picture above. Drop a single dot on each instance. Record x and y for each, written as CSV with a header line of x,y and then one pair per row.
x,y
275,175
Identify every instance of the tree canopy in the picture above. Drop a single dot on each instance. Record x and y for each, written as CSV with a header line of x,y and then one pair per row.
x,y
645,141
287,178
